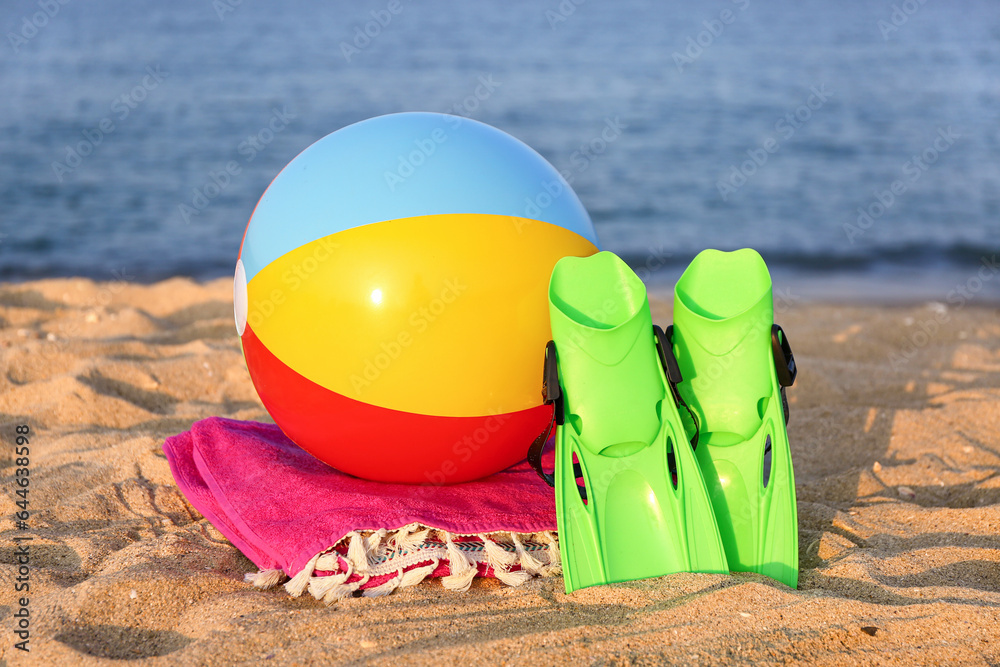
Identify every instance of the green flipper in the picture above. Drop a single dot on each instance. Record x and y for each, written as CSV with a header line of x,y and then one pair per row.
x,y
618,419
731,355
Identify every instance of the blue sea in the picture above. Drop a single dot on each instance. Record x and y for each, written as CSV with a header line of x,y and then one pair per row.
x,y
855,144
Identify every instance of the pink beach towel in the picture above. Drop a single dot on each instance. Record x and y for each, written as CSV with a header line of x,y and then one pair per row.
x,y
338,535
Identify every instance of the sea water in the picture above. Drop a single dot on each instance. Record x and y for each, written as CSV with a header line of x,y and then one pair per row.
x,y
856,144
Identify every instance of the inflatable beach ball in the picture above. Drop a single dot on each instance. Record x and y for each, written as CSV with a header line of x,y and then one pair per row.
x,y
390,296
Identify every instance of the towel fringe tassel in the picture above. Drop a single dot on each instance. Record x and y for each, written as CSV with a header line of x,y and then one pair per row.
x,y
344,590
412,553
418,574
320,586
555,563
296,586
265,579
356,552
329,561
528,563
462,569
501,561
385,587
408,538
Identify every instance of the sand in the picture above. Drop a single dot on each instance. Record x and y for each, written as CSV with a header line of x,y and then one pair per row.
x,y
895,442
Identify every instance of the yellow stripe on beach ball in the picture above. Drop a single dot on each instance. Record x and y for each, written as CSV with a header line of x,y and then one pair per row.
x,y
437,315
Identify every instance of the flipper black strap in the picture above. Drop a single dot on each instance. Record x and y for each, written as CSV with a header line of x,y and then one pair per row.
x,y
535,453
784,360
784,363
665,346
551,395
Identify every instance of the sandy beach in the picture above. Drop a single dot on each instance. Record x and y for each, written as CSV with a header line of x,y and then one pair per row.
x,y
895,427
